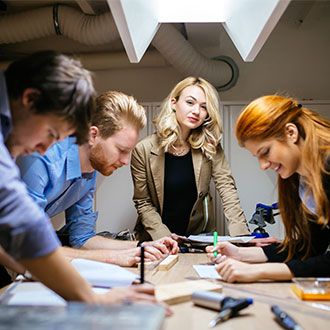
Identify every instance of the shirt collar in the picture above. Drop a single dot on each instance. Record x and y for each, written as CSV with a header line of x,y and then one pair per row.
x,y
73,164
5,114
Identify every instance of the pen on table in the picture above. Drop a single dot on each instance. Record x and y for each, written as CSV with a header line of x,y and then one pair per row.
x,y
215,241
142,265
285,320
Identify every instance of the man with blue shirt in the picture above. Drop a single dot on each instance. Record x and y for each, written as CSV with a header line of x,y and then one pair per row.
x,y
43,98
64,179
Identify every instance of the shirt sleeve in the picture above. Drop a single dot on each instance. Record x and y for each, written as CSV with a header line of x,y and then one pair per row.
x,y
25,230
318,266
81,219
314,266
35,175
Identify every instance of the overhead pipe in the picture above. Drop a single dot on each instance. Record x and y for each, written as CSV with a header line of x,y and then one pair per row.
x,y
70,22
222,71
101,29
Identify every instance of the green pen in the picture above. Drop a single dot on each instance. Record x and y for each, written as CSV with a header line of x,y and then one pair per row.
x,y
215,241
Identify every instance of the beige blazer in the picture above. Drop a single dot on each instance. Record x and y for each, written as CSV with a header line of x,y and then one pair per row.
x,y
147,167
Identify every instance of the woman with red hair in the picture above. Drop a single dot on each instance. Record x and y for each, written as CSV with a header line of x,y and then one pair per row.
x,y
295,142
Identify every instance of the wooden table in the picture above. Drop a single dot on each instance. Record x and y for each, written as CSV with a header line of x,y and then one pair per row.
x,y
256,316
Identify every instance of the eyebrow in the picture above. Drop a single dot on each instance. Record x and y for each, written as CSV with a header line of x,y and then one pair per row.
x,y
195,98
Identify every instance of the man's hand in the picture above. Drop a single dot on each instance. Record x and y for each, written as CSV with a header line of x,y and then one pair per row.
x,y
141,293
165,246
130,257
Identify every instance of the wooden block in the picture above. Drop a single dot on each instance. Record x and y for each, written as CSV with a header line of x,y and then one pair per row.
x,y
146,265
169,262
175,293
166,264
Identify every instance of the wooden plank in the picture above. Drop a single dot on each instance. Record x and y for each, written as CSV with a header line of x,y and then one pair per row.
x,y
169,262
166,264
175,293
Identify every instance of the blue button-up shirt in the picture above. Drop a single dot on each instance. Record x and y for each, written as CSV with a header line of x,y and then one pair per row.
x,y
56,183
25,230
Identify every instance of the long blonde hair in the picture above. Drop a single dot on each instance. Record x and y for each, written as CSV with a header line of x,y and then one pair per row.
x,y
266,118
207,136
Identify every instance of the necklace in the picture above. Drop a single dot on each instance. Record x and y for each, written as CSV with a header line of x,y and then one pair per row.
x,y
180,151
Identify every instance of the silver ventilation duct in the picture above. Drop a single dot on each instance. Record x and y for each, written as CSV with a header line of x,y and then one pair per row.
x,y
101,29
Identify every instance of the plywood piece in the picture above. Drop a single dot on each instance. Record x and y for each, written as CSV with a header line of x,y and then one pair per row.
x,y
166,264
146,265
169,262
175,293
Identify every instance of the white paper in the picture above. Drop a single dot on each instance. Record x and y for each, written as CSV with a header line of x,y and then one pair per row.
x,y
103,274
209,238
207,271
35,293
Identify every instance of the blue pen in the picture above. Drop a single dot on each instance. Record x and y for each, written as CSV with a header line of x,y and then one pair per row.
x,y
215,241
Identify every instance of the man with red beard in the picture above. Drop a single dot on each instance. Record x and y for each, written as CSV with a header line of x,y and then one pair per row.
x,y
64,179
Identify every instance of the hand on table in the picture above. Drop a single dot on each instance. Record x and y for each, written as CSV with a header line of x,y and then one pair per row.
x,y
233,270
263,241
165,246
140,293
130,257
223,249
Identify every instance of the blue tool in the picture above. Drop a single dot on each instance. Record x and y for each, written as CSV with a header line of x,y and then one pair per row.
x,y
264,213
228,306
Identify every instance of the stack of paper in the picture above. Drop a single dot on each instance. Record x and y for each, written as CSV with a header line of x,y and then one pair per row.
x,y
209,239
103,274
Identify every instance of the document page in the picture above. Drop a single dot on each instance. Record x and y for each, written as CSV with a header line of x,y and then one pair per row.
x,y
103,274
207,271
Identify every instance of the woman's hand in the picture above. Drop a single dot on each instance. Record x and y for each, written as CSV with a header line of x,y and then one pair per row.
x,y
263,241
232,270
223,249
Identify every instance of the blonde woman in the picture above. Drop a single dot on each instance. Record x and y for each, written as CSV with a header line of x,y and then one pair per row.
x,y
294,142
172,168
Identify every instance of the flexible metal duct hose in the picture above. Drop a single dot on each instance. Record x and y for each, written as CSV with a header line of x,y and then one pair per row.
x,y
222,72
38,23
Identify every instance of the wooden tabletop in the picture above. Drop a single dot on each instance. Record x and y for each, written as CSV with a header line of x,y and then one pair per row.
x,y
256,316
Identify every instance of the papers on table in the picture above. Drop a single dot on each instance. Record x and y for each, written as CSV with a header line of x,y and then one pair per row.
x,y
209,239
103,274
98,274
31,294
207,271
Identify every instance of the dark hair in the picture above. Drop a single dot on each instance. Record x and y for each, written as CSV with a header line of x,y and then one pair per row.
x,y
65,88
